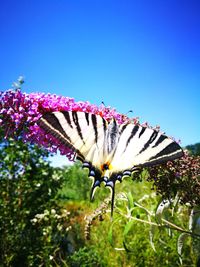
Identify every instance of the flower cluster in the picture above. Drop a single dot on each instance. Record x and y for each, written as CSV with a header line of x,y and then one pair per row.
x,y
180,176
19,113
48,217
50,224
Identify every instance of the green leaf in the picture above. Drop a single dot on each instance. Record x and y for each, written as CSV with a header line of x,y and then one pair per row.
x,y
110,235
126,248
144,174
130,200
128,227
165,204
151,236
194,220
143,208
175,203
180,242
191,220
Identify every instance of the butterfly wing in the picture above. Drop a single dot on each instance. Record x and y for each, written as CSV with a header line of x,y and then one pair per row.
x,y
83,132
143,146
98,143
139,146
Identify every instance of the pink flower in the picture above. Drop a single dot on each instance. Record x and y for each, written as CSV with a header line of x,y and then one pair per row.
x,y
19,113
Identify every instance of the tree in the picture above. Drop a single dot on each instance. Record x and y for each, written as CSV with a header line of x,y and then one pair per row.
x,y
32,226
194,149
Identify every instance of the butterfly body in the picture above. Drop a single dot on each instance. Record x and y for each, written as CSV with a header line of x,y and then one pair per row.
x,y
108,149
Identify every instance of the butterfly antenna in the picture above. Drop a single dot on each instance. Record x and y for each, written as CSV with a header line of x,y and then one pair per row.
x,y
130,111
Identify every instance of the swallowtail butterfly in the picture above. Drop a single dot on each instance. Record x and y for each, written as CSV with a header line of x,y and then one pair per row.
x,y
108,149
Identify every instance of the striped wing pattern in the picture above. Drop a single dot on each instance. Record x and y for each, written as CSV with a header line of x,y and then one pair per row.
x,y
142,146
109,150
83,132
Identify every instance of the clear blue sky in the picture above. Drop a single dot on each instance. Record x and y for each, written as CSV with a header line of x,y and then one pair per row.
x,y
139,55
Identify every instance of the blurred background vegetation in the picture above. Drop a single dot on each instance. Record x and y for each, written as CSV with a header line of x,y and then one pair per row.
x,y
46,218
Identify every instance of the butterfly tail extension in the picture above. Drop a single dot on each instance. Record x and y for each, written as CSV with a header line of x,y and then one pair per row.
x,y
112,201
110,183
93,174
116,177
95,184
97,180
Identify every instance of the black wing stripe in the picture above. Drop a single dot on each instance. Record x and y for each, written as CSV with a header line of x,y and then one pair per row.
x,y
104,126
155,161
148,143
67,117
94,123
87,118
142,131
160,140
167,151
123,128
133,133
51,123
76,122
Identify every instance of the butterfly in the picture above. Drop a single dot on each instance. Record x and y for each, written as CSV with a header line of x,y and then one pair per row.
x,y
108,149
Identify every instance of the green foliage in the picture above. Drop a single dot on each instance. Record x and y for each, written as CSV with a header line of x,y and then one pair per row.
x,y
36,228
194,149
32,226
76,185
136,237
86,257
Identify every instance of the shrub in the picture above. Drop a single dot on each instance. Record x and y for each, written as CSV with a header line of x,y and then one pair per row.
x,y
33,228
